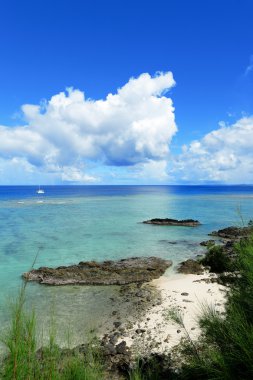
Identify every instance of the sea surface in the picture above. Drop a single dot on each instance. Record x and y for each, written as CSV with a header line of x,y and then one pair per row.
x,y
69,224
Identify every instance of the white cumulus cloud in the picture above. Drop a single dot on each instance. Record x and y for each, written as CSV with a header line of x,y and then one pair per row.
x,y
134,126
223,155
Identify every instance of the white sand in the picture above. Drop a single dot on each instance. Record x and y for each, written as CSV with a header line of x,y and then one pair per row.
x,y
162,334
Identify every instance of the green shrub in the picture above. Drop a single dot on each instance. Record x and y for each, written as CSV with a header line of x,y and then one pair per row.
x,y
217,260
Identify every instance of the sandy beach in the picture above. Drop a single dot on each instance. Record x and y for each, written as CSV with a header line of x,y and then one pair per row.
x,y
188,294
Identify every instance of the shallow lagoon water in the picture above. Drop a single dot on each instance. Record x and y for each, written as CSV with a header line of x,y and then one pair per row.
x,y
69,224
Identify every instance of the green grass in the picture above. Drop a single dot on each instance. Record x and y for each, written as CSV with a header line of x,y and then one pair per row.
x,y
24,361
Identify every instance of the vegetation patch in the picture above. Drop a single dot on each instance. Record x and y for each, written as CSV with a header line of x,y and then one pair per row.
x,y
217,260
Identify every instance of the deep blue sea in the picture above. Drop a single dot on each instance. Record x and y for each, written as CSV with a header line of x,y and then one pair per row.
x,y
69,224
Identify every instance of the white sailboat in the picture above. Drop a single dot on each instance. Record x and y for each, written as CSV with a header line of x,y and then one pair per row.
x,y
40,191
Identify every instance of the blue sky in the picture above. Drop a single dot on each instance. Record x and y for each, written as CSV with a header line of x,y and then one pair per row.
x,y
96,47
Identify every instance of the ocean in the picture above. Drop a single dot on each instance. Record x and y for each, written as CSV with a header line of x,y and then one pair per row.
x,y
68,224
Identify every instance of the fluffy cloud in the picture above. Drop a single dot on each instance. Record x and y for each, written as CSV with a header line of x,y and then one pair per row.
x,y
223,155
73,174
132,127
151,172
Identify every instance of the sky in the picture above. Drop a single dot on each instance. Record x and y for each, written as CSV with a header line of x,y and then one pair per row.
x,y
126,92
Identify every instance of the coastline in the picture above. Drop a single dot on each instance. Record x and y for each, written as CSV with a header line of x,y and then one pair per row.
x,y
154,320
154,332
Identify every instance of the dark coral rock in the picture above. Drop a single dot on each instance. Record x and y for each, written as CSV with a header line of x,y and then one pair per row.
x,y
173,222
190,266
126,271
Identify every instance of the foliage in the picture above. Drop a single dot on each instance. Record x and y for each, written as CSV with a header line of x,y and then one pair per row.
x,y
226,349
217,260
155,367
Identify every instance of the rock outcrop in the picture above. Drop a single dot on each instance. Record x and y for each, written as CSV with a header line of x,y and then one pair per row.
x,y
126,271
173,222
233,233
190,266
207,243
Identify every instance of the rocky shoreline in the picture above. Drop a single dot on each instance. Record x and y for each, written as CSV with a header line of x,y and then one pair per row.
x,y
152,335
233,233
147,331
125,271
223,246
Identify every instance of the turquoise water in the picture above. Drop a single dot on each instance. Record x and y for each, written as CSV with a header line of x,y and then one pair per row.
x,y
68,225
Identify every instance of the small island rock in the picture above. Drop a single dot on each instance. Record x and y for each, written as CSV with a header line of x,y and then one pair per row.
x,y
173,222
